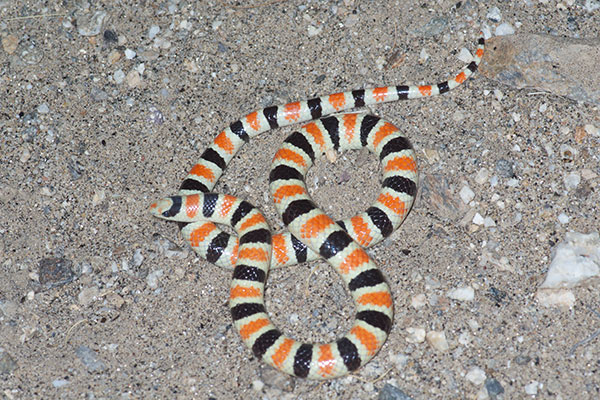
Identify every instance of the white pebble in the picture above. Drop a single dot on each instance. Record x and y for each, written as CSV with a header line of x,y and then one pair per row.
x,y
466,194
532,388
513,182
418,301
476,376
153,31
482,176
516,117
489,222
504,29
494,14
572,180
499,95
592,130
152,278
88,295
313,31
129,54
415,335
478,219
119,76
437,340
258,385
465,55
43,109
563,218
466,293
555,298
575,259
423,56
543,107
57,383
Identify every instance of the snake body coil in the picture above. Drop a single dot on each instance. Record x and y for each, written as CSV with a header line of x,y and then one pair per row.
x,y
312,234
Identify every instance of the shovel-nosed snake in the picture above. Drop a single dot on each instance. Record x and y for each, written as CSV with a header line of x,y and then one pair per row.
x,y
311,233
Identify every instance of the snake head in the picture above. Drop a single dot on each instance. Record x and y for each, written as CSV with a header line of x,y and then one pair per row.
x,y
166,208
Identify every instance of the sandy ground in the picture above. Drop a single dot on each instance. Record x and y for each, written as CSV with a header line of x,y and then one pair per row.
x,y
96,125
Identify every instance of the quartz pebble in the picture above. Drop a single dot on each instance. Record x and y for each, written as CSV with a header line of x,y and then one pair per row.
x,y
466,194
90,359
532,388
504,29
153,277
10,43
476,376
415,335
437,340
576,259
465,293
91,25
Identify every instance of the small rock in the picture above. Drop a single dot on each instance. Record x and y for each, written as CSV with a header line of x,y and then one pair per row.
x,y
114,56
504,29
482,176
505,168
129,54
153,31
532,388
476,376
391,392
90,359
153,277
592,130
133,79
494,388
9,308
313,31
91,26
7,364
43,109
418,301
168,248
462,294
138,258
575,259
88,295
494,14
258,385
54,272
563,218
555,298
119,76
110,36
572,180
58,383
478,219
437,340
25,155
466,194
10,43
415,335
465,55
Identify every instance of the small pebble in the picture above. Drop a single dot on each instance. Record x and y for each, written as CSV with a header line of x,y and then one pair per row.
x,y
110,36
43,109
465,55
10,43
258,385
563,218
592,130
91,25
415,335
466,194
58,383
494,14
482,176
54,272
88,295
153,277
532,388
478,219
119,76
489,222
572,180
555,298
129,54
133,79
313,31
153,31
494,388
466,293
90,359
7,364
418,301
437,340
504,29
476,376
391,392
505,168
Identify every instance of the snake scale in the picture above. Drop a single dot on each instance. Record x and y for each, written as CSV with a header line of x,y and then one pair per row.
x,y
311,233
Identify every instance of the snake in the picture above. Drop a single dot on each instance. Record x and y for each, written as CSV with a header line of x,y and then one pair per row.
x,y
311,234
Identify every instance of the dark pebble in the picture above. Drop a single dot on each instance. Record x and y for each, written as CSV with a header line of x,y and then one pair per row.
x,y
110,36
522,360
494,388
505,168
54,272
391,392
7,364
90,359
